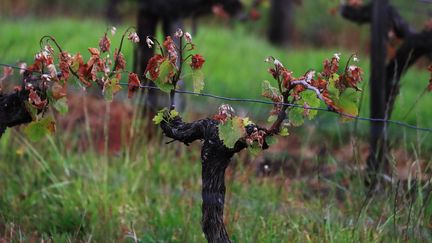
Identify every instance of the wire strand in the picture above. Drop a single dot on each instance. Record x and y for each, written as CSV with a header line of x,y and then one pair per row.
x,y
399,123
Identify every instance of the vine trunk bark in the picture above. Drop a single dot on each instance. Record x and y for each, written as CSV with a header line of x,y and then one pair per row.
x,y
13,110
215,159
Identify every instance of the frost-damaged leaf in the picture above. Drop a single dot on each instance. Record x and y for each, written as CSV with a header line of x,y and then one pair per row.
x,y
36,101
347,103
197,62
171,48
58,91
65,63
165,75
198,80
39,129
224,112
119,61
153,67
352,76
94,51
133,84
104,43
231,131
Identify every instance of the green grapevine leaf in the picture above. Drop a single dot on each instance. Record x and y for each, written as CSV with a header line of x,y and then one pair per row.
x,y
272,118
164,80
254,148
173,114
283,132
32,110
38,129
231,131
309,97
197,80
269,91
270,140
348,103
110,88
159,117
296,116
246,121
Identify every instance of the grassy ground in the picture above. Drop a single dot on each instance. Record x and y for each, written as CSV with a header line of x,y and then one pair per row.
x,y
53,190
50,192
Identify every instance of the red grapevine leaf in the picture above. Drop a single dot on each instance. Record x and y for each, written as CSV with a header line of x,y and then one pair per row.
x,y
120,60
104,43
134,84
353,76
153,66
171,48
36,101
286,77
331,67
58,91
197,61
65,63
258,136
94,51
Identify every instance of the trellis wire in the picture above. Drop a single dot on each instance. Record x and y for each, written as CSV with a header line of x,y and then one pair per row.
x,y
399,123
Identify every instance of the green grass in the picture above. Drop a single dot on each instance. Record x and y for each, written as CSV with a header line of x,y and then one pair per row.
x,y
53,190
50,192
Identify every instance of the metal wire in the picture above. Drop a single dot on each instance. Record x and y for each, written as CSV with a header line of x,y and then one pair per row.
x,y
399,123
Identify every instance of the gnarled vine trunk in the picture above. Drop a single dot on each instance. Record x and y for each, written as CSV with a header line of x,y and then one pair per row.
x,y
13,110
215,159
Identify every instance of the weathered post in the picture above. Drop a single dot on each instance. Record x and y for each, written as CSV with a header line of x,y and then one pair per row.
x,y
280,27
378,136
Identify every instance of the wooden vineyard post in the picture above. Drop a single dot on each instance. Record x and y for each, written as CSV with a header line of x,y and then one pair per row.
x,y
378,134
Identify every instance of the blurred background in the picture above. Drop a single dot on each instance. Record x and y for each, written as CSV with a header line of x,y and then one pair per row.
x,y
107,174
